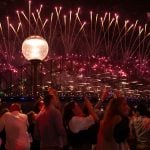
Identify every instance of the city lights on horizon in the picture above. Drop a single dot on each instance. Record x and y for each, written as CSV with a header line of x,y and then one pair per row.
x,y
83,47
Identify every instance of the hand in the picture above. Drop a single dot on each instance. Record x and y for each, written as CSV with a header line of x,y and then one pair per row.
x,y
52,91
117,94
90,108
88,103
104,93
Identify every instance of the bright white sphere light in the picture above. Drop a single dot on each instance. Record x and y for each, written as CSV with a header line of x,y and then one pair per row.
x,y
35,48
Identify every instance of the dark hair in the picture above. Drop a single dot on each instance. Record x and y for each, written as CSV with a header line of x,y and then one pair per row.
x,y
47,98
30,116
142,109
37,106
68,113
15,106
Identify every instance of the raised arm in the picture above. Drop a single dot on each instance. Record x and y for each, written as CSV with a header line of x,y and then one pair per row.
x,y
90,108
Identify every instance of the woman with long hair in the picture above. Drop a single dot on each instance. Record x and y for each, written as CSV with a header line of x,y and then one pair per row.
x,y
114,128
78,125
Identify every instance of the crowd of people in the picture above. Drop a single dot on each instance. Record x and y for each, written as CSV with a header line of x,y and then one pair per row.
x,y
75,126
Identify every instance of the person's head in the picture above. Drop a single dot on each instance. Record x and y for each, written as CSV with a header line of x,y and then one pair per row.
x,y
31,117
72,109
38,105
55,100
132,112
117,106
47,98
142,110
15,107
77,110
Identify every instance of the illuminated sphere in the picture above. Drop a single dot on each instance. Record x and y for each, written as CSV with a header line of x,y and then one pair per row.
x,y
35,48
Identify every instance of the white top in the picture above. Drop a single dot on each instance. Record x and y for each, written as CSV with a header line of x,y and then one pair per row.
x,y
77,123
15,124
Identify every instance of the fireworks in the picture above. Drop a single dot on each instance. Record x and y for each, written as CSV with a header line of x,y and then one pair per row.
x,y
102,44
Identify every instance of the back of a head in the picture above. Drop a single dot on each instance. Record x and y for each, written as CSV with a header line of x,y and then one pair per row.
x,y
142,110
15,107
47,98
31,116
68,112
113,107
38,105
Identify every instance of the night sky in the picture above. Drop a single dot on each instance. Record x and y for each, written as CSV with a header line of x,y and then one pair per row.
x,y
122,45
129,9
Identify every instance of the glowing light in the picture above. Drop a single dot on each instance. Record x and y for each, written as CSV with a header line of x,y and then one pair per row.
x,y
35,47
99,44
